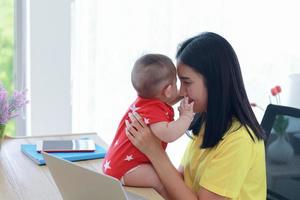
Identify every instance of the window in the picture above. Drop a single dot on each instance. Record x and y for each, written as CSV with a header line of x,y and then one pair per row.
x,y
7,51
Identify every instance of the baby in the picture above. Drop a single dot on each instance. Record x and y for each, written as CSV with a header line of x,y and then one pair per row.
x,y
154,78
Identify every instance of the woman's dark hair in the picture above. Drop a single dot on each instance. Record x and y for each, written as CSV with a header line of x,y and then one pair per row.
x,y
212,56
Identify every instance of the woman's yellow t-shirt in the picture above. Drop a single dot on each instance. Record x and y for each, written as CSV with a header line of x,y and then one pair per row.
x,y
235,168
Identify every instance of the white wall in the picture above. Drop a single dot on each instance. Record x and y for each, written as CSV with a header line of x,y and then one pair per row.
x,y
50,66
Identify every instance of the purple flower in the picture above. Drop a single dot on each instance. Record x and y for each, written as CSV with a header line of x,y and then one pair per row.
x,y
9,106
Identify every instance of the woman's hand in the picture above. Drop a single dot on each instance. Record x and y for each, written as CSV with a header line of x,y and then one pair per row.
x,y
141,136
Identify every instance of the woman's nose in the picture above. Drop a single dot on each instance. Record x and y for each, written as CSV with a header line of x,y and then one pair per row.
x,y
182,92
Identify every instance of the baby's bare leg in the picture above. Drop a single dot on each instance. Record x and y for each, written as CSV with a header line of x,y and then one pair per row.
x,y
145,176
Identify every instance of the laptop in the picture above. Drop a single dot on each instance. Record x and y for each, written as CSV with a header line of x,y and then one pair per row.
x,y
77,183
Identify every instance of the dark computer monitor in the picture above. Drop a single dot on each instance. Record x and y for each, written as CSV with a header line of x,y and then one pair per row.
x,y
282,126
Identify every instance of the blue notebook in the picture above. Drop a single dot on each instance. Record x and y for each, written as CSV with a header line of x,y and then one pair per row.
x,y
30,151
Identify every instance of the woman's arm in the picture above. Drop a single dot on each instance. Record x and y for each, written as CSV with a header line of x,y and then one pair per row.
x,y
140,135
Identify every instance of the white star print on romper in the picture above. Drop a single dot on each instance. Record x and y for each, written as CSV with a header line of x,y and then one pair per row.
x,y
129,158
146,120
107,165
133,108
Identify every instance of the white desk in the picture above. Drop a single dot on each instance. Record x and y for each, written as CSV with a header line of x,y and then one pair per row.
x,y
21,178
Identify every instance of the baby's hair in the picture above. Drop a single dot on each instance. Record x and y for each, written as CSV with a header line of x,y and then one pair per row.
x,y
151,73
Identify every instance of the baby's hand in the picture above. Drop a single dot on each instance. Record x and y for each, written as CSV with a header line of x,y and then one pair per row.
x,y
186,108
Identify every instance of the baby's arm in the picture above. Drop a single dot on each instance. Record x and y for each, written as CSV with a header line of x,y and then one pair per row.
x,y
170,131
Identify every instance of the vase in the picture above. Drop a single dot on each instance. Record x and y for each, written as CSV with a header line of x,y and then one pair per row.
x,y
280,151
2,128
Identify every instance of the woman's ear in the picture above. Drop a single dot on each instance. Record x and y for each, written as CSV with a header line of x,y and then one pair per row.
x,y
167,91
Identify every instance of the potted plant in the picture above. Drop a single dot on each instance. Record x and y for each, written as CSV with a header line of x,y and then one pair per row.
x,y
9,107
279,150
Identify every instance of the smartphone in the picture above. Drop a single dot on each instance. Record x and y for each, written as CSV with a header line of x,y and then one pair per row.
x,y
76,145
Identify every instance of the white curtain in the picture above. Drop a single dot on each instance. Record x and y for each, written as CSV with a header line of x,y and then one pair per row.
x,y
108,36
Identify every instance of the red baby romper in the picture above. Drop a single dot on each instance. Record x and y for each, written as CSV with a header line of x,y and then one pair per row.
x,y
122,155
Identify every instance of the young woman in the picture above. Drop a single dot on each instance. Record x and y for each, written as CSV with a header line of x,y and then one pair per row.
x,y
225,158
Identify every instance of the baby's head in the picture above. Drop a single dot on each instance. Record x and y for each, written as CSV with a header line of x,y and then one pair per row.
x,y
154,76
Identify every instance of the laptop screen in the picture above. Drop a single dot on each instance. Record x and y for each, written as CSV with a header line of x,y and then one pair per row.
x,y
76,182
